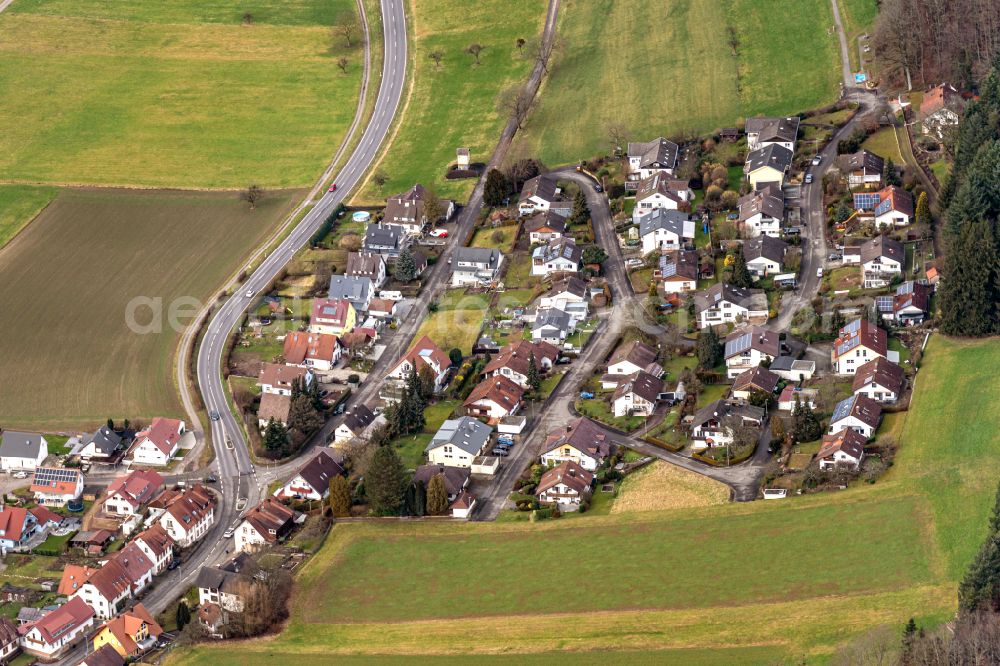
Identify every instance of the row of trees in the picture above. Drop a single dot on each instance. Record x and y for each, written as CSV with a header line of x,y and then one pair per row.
x,y
305,416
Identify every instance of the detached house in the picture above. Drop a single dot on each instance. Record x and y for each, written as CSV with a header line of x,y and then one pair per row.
x,y
941,110
368,265
748,347
764,255
56,486
677,271
563,292
158,444
22,450
768,165
332,316
880,380
103,656
859,342
357,424
545,226
664,229
187,515
762,211
909,305
318,351
762,132
130,634
844,450
472,266
582,442
455,478
273,406
10,642
553,326
856,413
279,379
661,191
629,359
17,526
791,393
637,395
895,207
645,159
356,290
881,261
864,169
494,398
566,485
541,193
222,586
513,361
755,380
424,356
711,424
560,255
406,211
383,239
266,524
458,441
312,481
58,630
100,445
723,303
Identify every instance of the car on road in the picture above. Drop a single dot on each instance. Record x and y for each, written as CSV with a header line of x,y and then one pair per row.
x,y
228,533
214,415
809,178
817,160
173,564
20,475
819,272
439,233
211,478
250,293
333,188
598,188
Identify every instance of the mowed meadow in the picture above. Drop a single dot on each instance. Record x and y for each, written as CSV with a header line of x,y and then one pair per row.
x,y
766,582
174,93
70,360
662,68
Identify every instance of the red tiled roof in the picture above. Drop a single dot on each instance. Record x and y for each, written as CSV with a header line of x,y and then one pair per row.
x,y
847,440
137,487
156,539
425,347
73,478
12,522
865,334
70,616
499,389
584,435
163,433
900,200
569,474
270,519
43,515
330,311
276,374
301,346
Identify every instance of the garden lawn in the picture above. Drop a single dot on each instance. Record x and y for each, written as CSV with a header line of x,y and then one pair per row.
x,y
70,349
454,105
883,143
501,238
457,322
173,94
787,62
661,485
19,204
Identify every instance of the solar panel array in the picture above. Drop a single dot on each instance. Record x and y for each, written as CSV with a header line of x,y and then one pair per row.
x,y
739,345
883,303
851,331
866,200
52,476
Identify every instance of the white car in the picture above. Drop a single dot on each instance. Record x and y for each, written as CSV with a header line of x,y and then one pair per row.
x,y
816,160
819,272
633,262
250,293
439,233
228,533
20,475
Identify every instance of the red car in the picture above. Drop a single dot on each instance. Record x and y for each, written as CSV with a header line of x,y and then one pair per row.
x,y
333,188
439,233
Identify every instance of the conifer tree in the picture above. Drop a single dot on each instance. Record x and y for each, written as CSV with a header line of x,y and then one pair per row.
x,y
340,497
437,496
385,482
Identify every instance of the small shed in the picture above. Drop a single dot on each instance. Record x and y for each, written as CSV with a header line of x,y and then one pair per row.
x,y
512,425
462,158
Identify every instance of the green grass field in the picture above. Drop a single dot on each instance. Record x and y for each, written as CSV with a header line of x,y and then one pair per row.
x,y
682,75
69,277
454,105
19,204
173,94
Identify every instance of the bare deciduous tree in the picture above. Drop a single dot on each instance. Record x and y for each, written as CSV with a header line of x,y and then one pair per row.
x,y
252,194
347,28
545,50
342,64
474,49
520,45
617,135
437,55
516,103
380,179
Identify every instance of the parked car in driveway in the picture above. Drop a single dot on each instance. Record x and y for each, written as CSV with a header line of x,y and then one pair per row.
x,y
500,451
809,178
439,233
816,160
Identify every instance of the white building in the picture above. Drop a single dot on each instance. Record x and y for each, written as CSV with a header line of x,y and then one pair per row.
x,y
664,229
158,444
22,450
457,442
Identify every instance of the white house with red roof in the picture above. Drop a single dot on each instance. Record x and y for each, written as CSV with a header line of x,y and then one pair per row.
x,y
858,343
185,515
312,481
158,444
857,413
17,525
844,450
105,589
128,494
425,355
55,486
319,351
266,524
158,546
494,398
58,630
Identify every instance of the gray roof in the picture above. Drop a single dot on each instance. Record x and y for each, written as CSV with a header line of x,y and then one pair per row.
x,y
214,578
865,161
565,248
382,236
659,183
752,299
105,440
682,263
773,129
353,288
466,433
775,156
765,246
20,444
551,317
572,285
663,218
546,218
358,418
768,201
543,187
658,152
455,478
882,246
476,255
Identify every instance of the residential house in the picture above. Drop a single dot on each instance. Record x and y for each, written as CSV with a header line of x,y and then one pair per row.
x,y
513,360
458,441
356,425
273,406
909,305
312,481
46,519
106,589
266,524
755,380
789,394
10,641
384,239
567,485
471,266
843,450
317,351
17,526
332,316
223,586
859,342
560,255
664,229
637,395
940,110
570,289
424,356
456,479
187,515
279,379
879,379
22,450
382,308
553,326
677,271
494,398
106,655
130,634
661,191
764,255
881,261
158,444
406,210
627,360
857,413
762,211
542,193
545,226
723,303
864,169
102,445
768,165
762,132
368,265
748,347
792,369
582,442
157,545
647,158
58,630
895,207
56,486
711,425
356,290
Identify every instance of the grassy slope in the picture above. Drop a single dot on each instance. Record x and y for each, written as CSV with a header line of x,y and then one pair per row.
x,y
455,105
19,204
173,94
69,277
680,75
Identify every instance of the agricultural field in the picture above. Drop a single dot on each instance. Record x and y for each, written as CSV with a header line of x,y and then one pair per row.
x,y
727,580
454,105
173,94
69,278
598,80
19,204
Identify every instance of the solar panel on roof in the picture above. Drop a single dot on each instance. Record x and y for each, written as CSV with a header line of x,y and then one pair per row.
x,y
51,476
883,303
866,200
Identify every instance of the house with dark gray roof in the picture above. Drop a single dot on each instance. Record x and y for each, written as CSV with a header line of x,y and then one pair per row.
x,y
768,165
458,441
558,256
371,266
22,450
542,193
650,157
386,240
712,425
472,266
762,211
665,229
723,303
863,168
100,445
552,325
764,255
762,132
455,478
356,290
